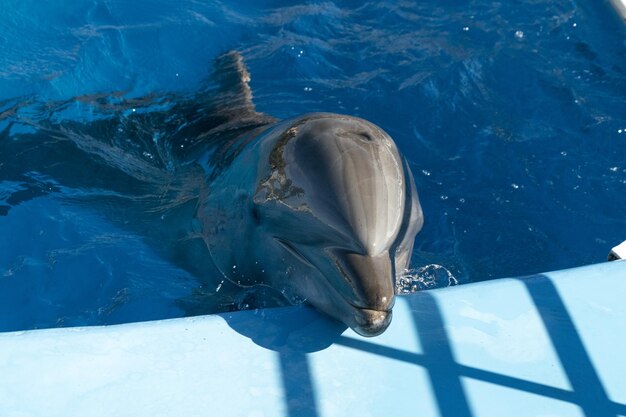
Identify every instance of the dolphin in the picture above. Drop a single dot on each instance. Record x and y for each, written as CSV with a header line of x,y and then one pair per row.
x,y
321,207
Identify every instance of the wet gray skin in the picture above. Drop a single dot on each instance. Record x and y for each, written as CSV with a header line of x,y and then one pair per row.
x,y
329,215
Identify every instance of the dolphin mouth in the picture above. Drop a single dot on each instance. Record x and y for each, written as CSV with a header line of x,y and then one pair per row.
x,y
369,323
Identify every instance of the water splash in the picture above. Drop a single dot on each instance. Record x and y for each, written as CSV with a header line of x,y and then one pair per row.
x,y
424,278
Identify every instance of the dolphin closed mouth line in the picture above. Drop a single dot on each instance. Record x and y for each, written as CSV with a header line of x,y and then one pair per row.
x,y
295,252
370,311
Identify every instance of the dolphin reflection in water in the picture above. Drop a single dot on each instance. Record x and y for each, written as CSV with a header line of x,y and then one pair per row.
x,y
320,207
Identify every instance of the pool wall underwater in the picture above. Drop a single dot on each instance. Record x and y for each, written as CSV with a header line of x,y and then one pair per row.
x,y
548,344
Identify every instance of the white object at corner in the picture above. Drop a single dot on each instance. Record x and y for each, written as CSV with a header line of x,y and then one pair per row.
x,y
620,7
618,252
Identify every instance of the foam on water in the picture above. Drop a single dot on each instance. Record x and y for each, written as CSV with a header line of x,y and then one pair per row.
x,y
424,278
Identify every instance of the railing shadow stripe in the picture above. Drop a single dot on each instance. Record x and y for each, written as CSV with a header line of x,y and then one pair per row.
x,y
298,384
582,375
441,368
470,372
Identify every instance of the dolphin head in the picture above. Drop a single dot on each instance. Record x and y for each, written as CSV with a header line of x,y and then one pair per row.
x,y
338,202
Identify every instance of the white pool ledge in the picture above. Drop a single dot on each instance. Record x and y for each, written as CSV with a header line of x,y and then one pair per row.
x,y
548,345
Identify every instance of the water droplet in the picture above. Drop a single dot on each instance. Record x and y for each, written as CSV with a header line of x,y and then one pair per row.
x,y
427,173
515,186
234,266
519,35
219,287
465,28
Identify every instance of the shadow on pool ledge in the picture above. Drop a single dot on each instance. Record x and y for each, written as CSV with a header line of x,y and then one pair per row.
x,y
293,333
296,334
287,330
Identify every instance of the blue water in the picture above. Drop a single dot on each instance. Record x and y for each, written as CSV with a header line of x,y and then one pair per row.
x,y
511,114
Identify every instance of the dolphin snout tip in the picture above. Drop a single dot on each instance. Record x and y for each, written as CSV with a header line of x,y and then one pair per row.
x,y
371,323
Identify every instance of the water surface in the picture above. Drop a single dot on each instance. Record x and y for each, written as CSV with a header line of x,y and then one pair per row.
x,y
512,116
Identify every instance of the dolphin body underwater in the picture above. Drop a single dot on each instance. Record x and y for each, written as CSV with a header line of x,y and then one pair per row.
x,y
321,207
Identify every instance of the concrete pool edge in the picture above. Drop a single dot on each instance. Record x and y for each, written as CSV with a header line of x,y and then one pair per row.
x,y
543,342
